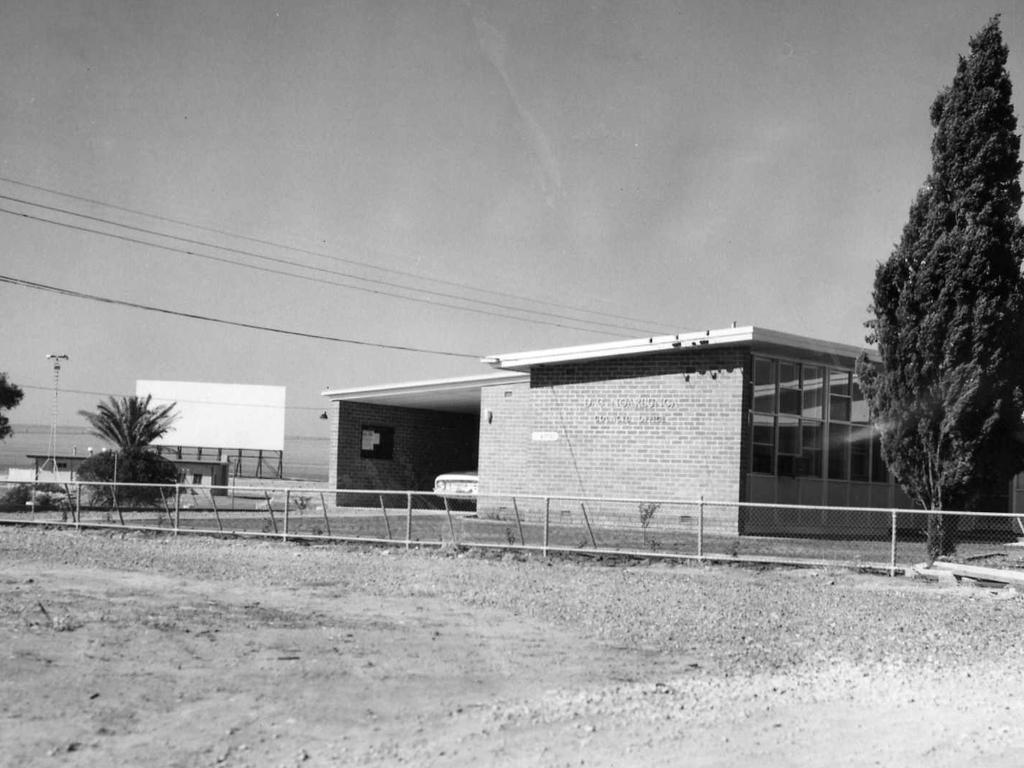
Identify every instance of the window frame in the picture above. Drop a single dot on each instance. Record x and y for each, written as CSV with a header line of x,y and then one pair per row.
x,y
827,395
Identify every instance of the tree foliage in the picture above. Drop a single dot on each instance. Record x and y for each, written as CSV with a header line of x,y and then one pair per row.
x,y
131,422
10,396
948,306
137,465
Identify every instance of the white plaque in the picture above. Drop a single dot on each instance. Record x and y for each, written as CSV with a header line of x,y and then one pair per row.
x,y
544,437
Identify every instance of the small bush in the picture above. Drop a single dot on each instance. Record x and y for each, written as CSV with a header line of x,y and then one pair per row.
x,y
139,466
19,497
647,510
16,498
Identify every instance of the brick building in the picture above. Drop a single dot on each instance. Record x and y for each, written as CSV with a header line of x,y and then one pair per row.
x,y
733,415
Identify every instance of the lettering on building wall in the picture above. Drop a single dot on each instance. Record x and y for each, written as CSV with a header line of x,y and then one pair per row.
x,y
631,403
629,418
641,410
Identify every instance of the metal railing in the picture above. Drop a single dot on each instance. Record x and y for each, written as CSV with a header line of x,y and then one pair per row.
x,y
683,529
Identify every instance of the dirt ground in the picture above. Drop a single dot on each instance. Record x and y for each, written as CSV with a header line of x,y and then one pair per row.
x,y
164,651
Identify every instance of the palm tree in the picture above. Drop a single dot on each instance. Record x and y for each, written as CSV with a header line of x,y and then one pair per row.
x,y
130,423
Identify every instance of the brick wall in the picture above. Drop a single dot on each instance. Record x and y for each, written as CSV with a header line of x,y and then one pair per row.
x,y
426,443
664,426
504,440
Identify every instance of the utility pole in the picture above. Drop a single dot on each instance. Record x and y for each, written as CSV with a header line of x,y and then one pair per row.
x,y
51,451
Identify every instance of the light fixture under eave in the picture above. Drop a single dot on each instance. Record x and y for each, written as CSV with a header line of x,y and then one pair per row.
x,y
324,415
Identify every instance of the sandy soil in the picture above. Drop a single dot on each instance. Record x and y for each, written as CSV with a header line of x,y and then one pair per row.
x,y
163,651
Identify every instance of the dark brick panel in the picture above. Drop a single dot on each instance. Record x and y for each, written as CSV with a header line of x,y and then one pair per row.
x,y
426,443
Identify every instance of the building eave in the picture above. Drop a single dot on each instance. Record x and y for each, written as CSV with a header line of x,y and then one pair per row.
x,y
746,335
461,394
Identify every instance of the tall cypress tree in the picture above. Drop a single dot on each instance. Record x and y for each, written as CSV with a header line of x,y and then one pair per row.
x,y
948,306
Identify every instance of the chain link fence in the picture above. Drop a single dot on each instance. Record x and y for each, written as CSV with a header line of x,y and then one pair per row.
x,y
698,529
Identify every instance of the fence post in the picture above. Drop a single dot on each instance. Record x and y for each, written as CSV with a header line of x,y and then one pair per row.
x,y
408,518
120,515
287,500
270,510
177,507
216,512
892,546
547,519
451,525
78,506
519,522
586,519
700,527
384,511
327,520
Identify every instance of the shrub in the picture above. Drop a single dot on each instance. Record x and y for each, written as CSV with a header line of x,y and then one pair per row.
x,y
646,510
19,497
136,466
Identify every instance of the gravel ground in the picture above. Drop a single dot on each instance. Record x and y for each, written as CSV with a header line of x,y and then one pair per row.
x,y
777,666
743,620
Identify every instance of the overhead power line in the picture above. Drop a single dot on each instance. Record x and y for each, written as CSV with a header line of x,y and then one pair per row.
x,y
65,390
308,278
206,318
340,259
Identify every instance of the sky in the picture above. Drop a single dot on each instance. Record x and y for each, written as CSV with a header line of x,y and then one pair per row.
x,y
440,180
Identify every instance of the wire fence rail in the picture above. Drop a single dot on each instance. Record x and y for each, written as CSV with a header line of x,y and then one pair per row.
x,y
868,538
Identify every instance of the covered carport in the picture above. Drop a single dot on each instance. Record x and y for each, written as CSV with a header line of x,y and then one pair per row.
x,y
401,436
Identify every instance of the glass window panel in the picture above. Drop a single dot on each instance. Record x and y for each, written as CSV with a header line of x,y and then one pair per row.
x,y
764,371
764,386
839,383
789,446
789,388
810,463
839,408
762,460
860,454
787,466
789,375
838,451
764,430
763,454
789,436
789,401
764,399
859,406
812,394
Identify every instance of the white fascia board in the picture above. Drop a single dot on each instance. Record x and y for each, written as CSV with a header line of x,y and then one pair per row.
x,y
522,361
424,387
766,336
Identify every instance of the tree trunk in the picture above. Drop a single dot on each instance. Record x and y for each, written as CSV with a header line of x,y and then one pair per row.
x,y
942,538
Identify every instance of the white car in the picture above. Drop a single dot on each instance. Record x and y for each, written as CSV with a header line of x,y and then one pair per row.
x,y
457,485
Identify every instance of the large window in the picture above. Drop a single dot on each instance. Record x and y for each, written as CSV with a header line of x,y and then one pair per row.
x,y
811,421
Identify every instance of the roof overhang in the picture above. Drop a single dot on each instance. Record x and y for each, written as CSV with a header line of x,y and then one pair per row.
x,y
456,395
743,336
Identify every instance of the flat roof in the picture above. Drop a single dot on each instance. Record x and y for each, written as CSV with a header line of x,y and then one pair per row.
x,y
454,395
745,335
462,394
